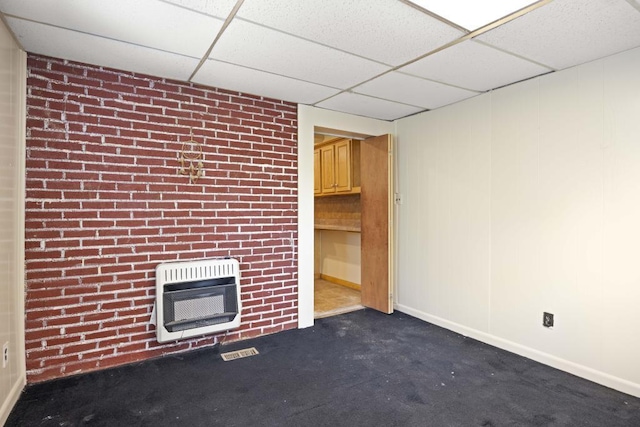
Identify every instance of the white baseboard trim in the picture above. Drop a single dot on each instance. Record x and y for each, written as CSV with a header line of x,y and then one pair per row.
x,y
582,371
11,399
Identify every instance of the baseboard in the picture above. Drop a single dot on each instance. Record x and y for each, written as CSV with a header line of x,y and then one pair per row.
x,y
582,371
11,400
341,282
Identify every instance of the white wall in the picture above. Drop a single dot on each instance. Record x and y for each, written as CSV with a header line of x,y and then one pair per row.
x,y
527,200
12,111
309,118
444,222
340,255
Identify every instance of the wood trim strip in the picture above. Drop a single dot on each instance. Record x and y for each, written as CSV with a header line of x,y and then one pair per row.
x,y
340,282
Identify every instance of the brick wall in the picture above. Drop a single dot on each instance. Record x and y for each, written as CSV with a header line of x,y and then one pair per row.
x,y
105,204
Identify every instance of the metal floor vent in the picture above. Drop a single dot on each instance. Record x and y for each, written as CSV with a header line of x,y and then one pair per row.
x,y
239,354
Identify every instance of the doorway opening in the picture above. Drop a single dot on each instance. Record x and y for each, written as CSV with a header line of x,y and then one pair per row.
x,y
337,217
353,218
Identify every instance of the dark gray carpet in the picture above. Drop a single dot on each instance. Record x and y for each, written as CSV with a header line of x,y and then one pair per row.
x,y
357,369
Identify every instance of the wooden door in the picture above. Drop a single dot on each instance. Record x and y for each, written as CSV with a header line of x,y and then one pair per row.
x,y
317,184
328,174
376,198
343,165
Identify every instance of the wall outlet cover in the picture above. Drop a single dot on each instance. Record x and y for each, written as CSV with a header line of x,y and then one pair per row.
x,y
547,320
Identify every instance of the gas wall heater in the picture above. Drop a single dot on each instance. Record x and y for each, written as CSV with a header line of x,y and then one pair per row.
x,y
196,298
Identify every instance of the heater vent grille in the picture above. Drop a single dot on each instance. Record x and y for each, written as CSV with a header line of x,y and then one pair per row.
x,y
196,298
180,272
201,307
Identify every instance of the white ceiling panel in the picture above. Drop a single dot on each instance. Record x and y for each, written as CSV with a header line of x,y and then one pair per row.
x,y
413,90
254,46
474,66
150,23
241,79
473,14
218,8
388,31
565,33
307,51
66,44
367,106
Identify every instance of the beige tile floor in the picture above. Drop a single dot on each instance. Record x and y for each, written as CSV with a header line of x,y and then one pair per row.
x,y
331,299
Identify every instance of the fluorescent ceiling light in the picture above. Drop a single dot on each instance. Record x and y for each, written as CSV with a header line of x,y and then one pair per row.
x,y
472,14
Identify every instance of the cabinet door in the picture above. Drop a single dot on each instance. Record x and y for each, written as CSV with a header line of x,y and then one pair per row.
x,y
343,166
328,173
317,180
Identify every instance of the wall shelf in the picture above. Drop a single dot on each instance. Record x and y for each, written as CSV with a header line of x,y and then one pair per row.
x,y
338,225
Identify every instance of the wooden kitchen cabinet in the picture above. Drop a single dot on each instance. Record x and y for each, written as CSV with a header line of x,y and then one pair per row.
x,y
342,168
317,173
339,169
327,168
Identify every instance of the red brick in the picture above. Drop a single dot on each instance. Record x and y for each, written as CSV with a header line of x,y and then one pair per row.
x,y
109,196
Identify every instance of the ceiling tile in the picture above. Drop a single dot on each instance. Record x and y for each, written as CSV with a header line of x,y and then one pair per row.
x,y
388,31
565,33
473,14
241,79
66,44
367,106
474,66
254,46
218,8
413,90
148,23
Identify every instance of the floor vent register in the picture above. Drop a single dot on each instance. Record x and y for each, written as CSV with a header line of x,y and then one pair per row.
x,y
239,354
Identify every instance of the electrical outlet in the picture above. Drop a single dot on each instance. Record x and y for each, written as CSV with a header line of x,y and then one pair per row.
x,y
547,320
5,354
398,198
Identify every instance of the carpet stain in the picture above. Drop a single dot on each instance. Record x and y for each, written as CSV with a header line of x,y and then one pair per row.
x,y
415,398
543,420
88,418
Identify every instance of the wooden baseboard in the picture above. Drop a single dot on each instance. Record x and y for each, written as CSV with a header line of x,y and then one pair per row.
x,y
341,282
11,399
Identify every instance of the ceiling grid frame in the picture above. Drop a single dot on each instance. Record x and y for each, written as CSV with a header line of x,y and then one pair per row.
x,y
162,44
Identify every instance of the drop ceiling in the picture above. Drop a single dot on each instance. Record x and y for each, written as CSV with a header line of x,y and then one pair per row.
x,y
384,59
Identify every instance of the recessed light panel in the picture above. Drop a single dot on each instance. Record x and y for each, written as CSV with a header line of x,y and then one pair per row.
x,y
472,14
